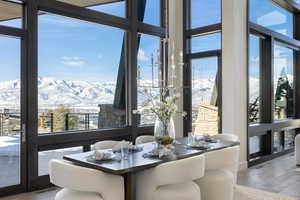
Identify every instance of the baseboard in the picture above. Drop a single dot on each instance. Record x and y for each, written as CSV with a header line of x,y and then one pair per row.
x,y
243,166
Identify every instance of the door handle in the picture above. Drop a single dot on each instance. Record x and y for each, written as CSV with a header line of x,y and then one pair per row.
x,y
23,132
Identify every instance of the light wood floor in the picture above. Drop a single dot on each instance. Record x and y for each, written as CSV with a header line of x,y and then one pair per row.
x,y
277,176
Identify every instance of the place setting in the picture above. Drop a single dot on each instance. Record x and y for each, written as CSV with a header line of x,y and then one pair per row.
x,y
119,152
200,142
163,147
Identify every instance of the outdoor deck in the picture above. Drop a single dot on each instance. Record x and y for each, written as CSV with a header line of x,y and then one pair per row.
x,y
10,159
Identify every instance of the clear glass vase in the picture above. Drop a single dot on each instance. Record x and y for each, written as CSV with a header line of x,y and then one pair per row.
x,y
161,130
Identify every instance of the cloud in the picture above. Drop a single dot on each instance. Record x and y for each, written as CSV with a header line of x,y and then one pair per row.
x,y
72,61
142,56
100,56
272,18
71,58
280,53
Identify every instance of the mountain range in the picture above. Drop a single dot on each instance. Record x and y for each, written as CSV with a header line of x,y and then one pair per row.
x,y
84,94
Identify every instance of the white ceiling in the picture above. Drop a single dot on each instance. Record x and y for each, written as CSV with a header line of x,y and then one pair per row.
x,y
13,11
9,11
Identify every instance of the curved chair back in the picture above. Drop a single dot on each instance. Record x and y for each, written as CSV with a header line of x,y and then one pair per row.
x,y
180,171
226,159
107,144
144,139
227,137
67,175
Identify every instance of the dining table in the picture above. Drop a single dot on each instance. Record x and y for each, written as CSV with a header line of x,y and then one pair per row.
x,y
137,161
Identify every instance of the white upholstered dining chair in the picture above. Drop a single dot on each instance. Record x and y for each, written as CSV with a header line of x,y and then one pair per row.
x,y
81,183
172,180
144,139
221,168
106,144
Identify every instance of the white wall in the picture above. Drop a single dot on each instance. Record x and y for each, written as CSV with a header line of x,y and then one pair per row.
x,y
234,72
176,38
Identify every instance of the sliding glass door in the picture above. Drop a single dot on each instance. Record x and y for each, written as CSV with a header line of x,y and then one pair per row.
x,y
12,142
10,112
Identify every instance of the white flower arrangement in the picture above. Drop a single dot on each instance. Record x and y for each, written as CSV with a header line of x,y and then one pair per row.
x,y
164,107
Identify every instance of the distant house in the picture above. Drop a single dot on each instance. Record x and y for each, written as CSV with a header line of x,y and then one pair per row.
x,y
207,120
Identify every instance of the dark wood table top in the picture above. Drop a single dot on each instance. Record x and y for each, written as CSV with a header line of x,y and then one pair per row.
x,y
137,161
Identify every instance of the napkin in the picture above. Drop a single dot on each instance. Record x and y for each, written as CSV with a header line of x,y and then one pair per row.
x,y
100,155
164,152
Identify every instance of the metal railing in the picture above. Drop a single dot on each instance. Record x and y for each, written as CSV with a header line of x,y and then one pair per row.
x,y
10,123
68,121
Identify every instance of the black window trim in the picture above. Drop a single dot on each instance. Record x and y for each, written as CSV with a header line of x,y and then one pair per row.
x,y
268,125
28,35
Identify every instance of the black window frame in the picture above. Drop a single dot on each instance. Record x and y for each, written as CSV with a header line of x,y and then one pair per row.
x,y
188,34
33,142
21,34
267,126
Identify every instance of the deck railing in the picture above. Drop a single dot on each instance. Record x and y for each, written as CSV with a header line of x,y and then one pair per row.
x,y
68,121
10,123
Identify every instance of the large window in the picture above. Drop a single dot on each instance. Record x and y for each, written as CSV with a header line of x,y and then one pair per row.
x,y
152,11
283,82
205,114
204,61
254,78
268,14
204,13
10,112
272,73
149,73
206,42
69,80
78,75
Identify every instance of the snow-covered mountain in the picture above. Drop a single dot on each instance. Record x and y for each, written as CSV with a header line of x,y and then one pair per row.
x,y
87,95
10,94
54,92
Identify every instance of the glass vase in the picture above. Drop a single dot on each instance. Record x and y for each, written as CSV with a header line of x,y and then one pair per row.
x,y
167,130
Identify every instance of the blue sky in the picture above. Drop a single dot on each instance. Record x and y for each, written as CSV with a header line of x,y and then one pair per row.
x,y
254,58
205,68
267,14
10,58
70,49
